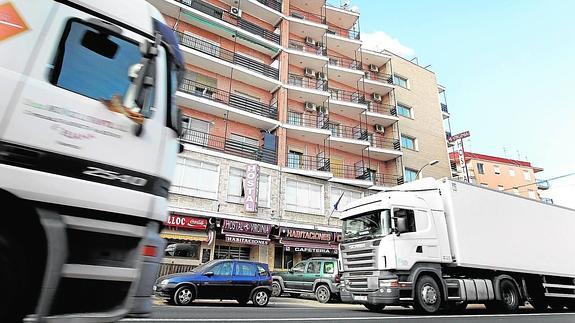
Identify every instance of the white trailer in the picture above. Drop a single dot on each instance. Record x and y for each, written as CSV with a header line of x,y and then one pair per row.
x,y
88,142
443,244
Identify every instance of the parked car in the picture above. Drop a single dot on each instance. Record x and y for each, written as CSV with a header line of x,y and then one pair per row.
x,y
315,275
239,280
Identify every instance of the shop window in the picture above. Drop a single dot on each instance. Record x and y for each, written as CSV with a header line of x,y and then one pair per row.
x,y
245,269
228,252
185,250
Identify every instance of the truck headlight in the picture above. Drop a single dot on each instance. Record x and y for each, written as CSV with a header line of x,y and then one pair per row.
x,y
388,283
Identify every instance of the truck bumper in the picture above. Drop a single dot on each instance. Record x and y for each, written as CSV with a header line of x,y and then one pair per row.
x,y
383,296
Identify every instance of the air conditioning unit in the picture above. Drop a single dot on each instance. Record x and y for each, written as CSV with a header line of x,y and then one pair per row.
x,y
379,128
236,12
310,106
376,97
322,110
374,68
308,72
320,76
309,41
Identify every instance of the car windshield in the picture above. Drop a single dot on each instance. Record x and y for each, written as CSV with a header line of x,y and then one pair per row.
x,y
365,226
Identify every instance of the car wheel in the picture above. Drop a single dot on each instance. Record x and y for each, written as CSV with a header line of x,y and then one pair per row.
x,y
427,295
374,308
184,295
261,297
322,294
276,289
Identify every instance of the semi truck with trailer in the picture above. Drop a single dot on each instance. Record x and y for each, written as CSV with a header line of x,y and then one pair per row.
x,y
438,245
88,145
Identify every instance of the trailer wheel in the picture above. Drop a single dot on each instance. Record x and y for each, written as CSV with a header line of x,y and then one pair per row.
x,y
510,298
427,295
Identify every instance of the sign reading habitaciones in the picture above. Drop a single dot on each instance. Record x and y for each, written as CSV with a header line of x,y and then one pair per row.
x,y
243,227
251,188
309,235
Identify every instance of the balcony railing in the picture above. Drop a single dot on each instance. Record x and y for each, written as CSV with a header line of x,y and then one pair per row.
x,y
351,171
223,15
385,143
387,180
318,121
307,48
274,4
307,162
382,108
348,132
348,96
381,77
444,108
305,15
229,146
227,55
345,62
307,82
233,100
342,32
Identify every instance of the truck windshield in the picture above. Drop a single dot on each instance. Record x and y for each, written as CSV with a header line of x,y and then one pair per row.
x,y
365,225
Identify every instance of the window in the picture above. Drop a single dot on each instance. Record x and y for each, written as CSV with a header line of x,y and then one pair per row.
x,y
85,48
295,159
313,267
282,259
328,267
410,175
202,85
348,197
480,168
197,131
526,175
403,110
531,194
405,217
223,269
236,192
262,271
408,142
335,129
511,172
189,250
246,140
401,81
304,197
196,178
484,185
500,187
247,96
295,118
496,170
227,252
299,267
245,269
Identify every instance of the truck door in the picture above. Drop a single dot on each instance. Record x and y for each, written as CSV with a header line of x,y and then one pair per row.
x,y
418,242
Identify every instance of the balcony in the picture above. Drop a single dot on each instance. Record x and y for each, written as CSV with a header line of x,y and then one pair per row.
x,y
307,89
543,184
383,181
219,60
341,15
350,139
216,20
356,175
384,149
380,113
221,103
306,165
347,103
344,70
380,83
266,10
444,111
306,23
302,55
228,146
342,40
313,128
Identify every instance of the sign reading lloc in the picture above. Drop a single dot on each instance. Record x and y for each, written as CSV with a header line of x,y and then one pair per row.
x,y
251,188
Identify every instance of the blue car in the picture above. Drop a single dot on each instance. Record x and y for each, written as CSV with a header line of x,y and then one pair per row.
x,y
239,280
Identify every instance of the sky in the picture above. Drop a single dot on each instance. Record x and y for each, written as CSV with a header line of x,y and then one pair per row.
x,y
508,67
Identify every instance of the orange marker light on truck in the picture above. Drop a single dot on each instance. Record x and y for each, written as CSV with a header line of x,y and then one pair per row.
x,y
149,251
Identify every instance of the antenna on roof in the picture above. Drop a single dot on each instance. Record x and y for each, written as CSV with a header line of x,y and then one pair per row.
x,y
416,60
427,66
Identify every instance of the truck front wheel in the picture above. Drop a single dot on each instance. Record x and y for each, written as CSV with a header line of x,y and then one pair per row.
x,y
427,295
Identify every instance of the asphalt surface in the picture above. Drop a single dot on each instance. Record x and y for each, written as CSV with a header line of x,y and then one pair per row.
x,y
306,309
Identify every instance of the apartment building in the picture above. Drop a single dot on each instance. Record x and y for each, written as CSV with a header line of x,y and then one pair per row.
x,y
503,174
287,115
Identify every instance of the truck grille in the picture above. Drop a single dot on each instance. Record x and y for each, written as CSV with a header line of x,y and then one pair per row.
x,y
363,259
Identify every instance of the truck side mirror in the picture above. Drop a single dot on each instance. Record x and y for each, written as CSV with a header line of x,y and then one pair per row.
x,y
400,225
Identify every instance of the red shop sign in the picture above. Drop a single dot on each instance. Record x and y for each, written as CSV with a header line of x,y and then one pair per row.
x,y
187,222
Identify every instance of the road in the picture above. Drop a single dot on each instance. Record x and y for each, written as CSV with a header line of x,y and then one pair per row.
x,y
286,309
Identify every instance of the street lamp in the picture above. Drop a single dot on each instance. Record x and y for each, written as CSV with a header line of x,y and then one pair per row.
x,y
431,163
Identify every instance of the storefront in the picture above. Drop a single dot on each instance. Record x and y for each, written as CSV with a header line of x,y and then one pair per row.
x,y
242,240
187,240
299,244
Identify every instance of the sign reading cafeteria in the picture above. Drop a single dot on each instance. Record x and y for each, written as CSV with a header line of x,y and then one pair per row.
x,y
244,227
312,250
251,188
309,235
188,222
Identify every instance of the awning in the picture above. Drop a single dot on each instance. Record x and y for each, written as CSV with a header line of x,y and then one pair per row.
x,y
185,235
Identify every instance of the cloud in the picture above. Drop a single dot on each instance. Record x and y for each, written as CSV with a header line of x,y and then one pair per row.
x,y
379,40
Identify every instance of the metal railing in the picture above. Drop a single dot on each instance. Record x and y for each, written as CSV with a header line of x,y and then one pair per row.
x,y
168,269
348,132
228,146
307,48
307,82
307,162
345,62
274,4
306,15
342,32
350,171
387,180
223,15
226,55
385,143
382,108
381,77
233,100
319,120
348,96
444,108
